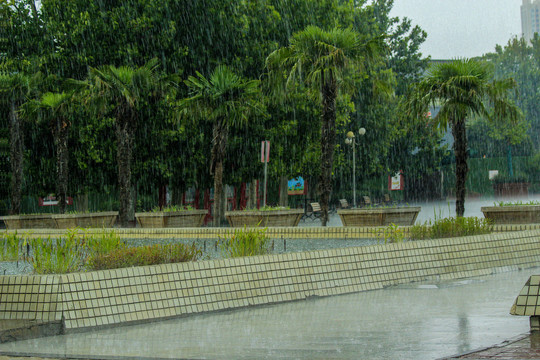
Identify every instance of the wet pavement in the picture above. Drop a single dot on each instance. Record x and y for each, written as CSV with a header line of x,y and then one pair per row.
x,y
519,348
416,321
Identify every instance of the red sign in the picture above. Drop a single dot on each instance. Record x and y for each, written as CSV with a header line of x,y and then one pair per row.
x,y
51,201
395,182
265,151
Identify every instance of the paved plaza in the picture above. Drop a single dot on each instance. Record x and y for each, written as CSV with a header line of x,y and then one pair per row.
x,y
415,321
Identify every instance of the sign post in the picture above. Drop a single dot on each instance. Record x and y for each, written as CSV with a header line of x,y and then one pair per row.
x,y
265,158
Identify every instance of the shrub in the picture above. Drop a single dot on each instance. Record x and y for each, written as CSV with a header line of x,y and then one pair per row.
x,y
269,208
244,242
173,208
9,246
392,233
451,227
144,255
57,256
70,253
516,203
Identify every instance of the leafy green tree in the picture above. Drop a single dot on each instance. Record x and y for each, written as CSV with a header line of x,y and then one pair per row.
x,y
226,100
124,89
14,88
323,60
57,109
461,88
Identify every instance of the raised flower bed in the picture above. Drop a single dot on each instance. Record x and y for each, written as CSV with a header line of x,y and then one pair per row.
x,y
403,216
512,214
105,219
264,217
37,221
163,219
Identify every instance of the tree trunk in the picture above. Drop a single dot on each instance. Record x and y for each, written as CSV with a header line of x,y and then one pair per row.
x,y
16,160
219,144
283,195
328,139
62,158
460,151
218,194
124,141
252,196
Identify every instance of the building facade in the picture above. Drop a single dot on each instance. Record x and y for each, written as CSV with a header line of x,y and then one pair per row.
x,y
530,18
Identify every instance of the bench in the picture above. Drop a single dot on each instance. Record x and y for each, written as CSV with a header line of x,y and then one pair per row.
x,y
366,202
387,200
314,211
343,204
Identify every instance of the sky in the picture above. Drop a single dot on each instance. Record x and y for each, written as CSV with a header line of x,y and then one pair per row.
x,y
462,28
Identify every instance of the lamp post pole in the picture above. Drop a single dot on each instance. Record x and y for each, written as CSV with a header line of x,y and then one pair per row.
x,y
351,141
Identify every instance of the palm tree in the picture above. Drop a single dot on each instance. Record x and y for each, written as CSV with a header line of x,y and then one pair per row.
x,y
226,100
57,108
14,89
462,88
325,60
122,90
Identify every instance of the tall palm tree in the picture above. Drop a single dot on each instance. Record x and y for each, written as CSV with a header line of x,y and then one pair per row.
x,y
57,109
122,90
14,89
462,88
325,60
226,100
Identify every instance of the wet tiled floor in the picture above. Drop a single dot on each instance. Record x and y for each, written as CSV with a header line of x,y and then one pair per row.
x,y
520,348
416,321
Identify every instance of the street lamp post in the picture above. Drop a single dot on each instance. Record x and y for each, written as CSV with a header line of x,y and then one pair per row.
x,y
350,140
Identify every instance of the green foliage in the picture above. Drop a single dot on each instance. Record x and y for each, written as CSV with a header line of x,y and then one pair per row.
x,y
270,208
9,246
244,242
516,203
391,233
173,208
240,34
103,242
144,255
57,256
450,227
70,253
504,177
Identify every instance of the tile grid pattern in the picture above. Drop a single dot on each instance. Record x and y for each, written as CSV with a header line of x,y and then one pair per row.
x,y
157,292
528,302
30,297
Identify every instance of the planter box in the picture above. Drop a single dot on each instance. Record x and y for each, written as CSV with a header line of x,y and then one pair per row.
x,y
41,221
264,218
519,214
511,189
188,218
86,220
404,216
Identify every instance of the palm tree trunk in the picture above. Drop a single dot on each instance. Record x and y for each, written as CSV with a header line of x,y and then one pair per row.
x,y
219,145
16,163
460,151
328,139
283,191
124,141
61,139
218,194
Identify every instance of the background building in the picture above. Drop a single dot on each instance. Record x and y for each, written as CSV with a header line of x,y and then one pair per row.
x,y
530,18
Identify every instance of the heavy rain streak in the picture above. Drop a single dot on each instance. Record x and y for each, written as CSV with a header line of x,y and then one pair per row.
x,y
138,105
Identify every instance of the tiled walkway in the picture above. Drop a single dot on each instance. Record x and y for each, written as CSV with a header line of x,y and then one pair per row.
x,y
417,321
519,348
